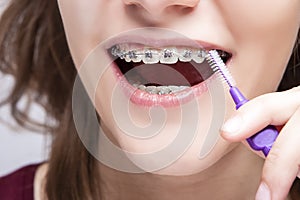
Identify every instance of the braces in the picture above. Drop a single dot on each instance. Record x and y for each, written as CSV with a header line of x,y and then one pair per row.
x,y
165,53
161,90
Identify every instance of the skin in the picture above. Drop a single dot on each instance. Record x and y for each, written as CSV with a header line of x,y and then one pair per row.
x,y
261,44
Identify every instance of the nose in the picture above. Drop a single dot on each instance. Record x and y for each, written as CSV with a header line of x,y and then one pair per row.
x,y
155,8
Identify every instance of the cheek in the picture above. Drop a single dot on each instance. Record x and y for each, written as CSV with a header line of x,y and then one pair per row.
x,y
83,22
269,25
261,18
264,35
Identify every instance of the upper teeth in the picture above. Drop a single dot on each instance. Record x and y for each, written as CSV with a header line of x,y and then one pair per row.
x,y
168,55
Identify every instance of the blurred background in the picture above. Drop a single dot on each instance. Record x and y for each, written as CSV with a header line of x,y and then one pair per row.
x,y
18,147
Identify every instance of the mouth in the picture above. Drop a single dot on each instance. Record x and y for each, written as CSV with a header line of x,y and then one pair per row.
x,y
161,75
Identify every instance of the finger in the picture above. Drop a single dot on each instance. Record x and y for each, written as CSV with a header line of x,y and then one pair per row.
x,y
282,164
273,108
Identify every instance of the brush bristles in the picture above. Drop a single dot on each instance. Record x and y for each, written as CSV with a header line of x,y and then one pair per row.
x,y
217,65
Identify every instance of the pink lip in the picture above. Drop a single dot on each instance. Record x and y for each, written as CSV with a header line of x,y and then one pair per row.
x,y
156,37
143,98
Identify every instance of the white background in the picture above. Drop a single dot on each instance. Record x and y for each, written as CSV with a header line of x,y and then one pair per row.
x,y
18,147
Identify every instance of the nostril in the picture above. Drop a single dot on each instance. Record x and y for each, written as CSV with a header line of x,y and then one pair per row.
x,y
133,3
156,6
181,9
186,3
134,6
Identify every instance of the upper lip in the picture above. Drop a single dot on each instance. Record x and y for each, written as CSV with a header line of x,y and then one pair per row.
x,y
160,39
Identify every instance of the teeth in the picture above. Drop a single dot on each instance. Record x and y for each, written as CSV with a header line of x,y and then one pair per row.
x,y
141,87
151,56
148,55
185,55
199,56
132,56
151,89
168,55
119,51
161,90
115,50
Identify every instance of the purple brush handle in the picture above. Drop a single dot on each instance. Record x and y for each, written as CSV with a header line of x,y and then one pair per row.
x,y
264,139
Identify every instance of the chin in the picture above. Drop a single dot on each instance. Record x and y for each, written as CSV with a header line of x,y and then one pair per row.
x,y
190,163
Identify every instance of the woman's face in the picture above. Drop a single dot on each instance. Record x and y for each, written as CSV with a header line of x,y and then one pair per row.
x,y
259,36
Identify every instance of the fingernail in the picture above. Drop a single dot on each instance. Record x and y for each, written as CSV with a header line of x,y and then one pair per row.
x,y
232,125
263,192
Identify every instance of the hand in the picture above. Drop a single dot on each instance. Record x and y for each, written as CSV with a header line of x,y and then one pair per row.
x,y
282,164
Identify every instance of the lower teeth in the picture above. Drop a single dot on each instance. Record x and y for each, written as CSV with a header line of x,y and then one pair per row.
x,y
161,90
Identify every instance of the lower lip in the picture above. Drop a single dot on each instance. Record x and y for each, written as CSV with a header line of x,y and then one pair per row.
x,y
145,99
